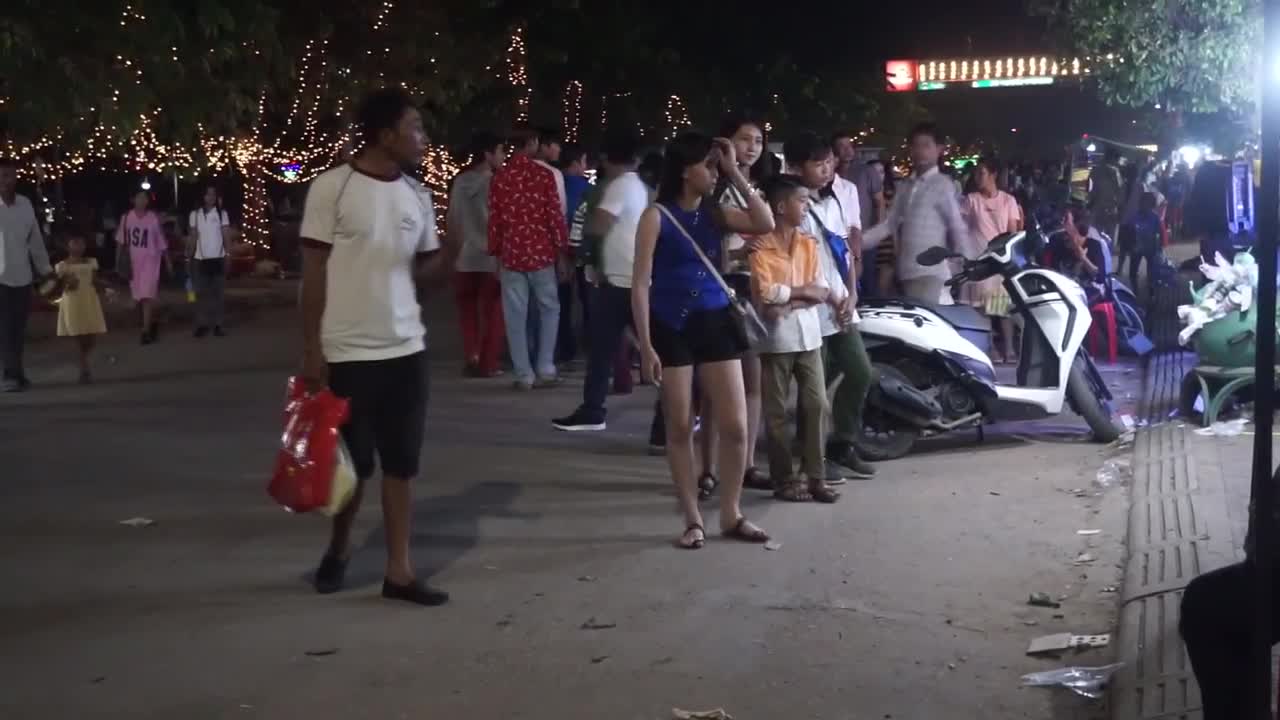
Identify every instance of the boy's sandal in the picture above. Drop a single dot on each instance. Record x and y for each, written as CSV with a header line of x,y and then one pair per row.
x,y
820,491
792,490
753,479
696,542
742,531
707,485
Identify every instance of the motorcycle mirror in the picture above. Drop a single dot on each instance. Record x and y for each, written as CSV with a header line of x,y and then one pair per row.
x,y
934,256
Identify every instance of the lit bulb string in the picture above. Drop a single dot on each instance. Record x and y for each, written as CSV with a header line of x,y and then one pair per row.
x,y
571,102
518,73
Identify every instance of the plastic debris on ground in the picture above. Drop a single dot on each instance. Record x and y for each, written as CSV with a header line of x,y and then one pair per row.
x,y
1113,472
138,522
1066,641
717,714
1225,428
773,545
1087,681
1039,599
1231,287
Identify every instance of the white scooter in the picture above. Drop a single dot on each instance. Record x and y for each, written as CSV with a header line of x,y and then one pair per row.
x,y
934,371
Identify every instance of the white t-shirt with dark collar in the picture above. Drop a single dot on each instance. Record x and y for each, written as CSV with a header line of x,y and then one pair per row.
x,y
375,227
207,226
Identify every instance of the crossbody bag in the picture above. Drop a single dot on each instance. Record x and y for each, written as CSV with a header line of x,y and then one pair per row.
x,y
750,329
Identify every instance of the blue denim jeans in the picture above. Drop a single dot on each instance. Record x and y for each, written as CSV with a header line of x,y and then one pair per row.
x,y
538,289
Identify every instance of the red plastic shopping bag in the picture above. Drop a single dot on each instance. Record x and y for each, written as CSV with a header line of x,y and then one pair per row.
x,y
311,472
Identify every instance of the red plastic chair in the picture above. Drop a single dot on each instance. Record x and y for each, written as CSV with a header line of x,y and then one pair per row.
x,y
1103,329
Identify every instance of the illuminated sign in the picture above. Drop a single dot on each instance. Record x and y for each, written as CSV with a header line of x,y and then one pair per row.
x,y
1014,71
290,170
900,75
1012,82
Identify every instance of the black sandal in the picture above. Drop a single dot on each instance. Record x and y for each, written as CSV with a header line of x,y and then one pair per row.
x,y
694,544
753,479
707,485
739,532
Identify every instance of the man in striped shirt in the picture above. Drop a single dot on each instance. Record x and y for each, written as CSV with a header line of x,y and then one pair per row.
x,y
925,214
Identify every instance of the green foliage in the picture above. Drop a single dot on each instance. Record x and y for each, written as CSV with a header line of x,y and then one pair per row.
x,y
1186,55
67,66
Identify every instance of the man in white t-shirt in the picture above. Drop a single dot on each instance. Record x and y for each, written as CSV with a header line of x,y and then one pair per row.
x,y
369,244
614,220
207,262
809,158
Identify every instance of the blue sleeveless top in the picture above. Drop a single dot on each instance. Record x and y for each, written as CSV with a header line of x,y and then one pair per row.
x,y
681,282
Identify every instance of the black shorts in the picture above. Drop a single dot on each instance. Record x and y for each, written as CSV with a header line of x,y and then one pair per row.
x,y
388,412
708,336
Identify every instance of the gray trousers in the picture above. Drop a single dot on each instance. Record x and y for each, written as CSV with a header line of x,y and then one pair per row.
x,y
209,280
926,289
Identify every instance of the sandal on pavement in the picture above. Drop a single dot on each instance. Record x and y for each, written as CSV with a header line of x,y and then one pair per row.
x,y
792,490
707,485
820,491
753,479
743,530
695,543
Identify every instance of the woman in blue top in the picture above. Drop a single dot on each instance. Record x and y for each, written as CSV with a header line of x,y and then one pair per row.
x,y
683,319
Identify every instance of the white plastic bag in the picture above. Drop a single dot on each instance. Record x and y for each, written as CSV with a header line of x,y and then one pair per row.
x,y
1087,681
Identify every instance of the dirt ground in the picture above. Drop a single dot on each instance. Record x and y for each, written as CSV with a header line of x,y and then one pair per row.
x,y
908,599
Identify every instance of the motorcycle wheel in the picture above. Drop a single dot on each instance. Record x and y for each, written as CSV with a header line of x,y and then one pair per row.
x,y
1085,401
884,437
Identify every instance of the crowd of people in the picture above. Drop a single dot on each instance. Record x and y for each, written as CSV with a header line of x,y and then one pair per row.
x,y
728,274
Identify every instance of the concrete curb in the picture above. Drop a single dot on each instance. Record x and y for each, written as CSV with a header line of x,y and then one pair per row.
x,y
1179,527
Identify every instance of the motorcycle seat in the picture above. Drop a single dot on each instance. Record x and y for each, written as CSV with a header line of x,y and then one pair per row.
x,y
961,317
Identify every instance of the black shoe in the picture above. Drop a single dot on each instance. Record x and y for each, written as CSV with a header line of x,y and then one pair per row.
x,y
472,370
201,331
146,338
330,574
12,386
415,592
579,421
846,456
218,331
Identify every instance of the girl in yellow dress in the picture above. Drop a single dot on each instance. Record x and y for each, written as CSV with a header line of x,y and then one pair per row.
x,y
79,311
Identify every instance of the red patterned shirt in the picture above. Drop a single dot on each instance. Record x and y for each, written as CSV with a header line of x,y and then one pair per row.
x,y
527,230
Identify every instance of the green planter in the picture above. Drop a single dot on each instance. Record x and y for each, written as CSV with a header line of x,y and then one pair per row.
x,y
1229,341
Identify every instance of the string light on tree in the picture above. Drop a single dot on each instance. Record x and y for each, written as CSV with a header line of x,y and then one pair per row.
x,y
677,116
571,119
381,20
518,73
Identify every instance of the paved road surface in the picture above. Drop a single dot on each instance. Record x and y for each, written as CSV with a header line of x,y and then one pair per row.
x,y
906,600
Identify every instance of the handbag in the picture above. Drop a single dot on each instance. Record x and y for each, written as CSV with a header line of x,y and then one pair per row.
x,y
747,324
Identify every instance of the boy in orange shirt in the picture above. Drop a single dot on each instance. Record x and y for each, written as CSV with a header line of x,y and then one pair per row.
x,y
787,282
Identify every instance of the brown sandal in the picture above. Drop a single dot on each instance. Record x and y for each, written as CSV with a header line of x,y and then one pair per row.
x,y
792,490
820,491
739,531
697,542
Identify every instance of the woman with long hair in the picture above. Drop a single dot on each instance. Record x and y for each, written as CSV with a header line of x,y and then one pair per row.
x,y
747,136
990,212
685,324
